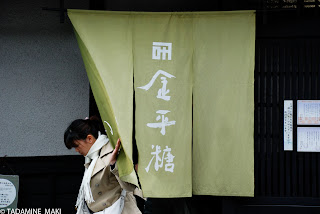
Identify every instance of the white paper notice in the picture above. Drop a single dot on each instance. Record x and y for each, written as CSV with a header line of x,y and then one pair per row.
x,y
7,193
287,125
308,139
308,112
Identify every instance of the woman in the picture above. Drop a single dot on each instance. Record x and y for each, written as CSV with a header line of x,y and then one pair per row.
x,y
101,189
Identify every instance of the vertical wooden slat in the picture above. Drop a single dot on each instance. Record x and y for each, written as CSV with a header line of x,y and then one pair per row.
x,y
262,122
317,70
312,59
257,132
294,94
315,63
50,195
288,86
275,120
268,118
301,96
282,67
305,66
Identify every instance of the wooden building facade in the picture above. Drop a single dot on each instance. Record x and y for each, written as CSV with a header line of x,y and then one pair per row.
x,y
287,66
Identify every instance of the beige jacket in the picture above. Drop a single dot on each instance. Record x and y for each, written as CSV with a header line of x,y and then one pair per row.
x,y
106,185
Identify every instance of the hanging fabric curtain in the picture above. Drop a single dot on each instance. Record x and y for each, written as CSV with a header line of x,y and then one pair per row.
x,y
107,56
191,76
223,104
163,94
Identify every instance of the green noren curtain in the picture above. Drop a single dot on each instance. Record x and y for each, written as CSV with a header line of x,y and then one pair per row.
x,y
187,79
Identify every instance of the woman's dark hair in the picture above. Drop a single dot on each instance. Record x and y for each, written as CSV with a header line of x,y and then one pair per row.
x,y
79,130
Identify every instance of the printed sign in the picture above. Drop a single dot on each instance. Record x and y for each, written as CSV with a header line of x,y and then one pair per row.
x,y
9,191
287,125
308,139
308,112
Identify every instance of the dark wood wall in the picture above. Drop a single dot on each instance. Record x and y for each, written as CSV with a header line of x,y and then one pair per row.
x,y
46,182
